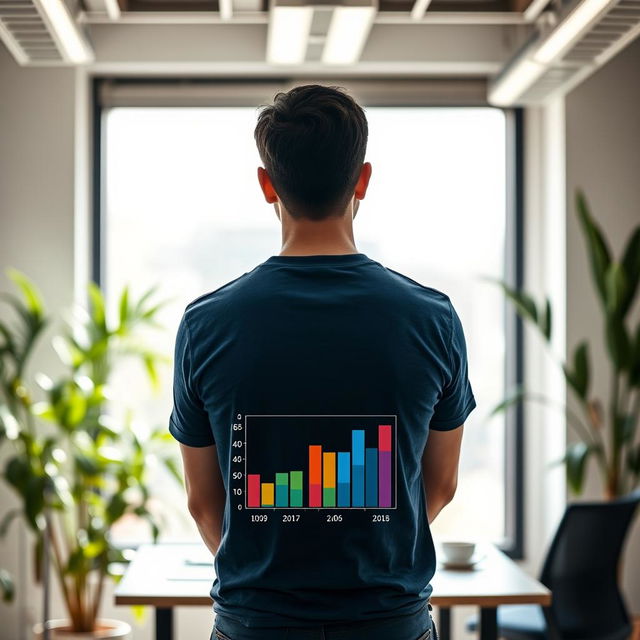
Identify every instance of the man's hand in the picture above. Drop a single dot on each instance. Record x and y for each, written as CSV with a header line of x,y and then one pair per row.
x,y
206,494
440,468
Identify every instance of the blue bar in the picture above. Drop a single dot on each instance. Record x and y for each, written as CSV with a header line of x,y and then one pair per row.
x,y
357,486
344,483
372,477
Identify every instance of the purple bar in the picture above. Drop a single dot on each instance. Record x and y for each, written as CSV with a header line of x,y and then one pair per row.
x,y
384,478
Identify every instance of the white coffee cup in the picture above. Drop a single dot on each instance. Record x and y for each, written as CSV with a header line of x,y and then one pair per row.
x,y
458,552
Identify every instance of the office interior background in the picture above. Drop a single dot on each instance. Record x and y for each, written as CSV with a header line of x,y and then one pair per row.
x,y
127,157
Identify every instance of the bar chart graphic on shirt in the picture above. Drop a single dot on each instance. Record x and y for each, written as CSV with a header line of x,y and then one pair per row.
x,y
320,461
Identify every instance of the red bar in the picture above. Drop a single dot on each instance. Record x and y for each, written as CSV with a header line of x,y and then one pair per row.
x,y
315,475
384,437
253,499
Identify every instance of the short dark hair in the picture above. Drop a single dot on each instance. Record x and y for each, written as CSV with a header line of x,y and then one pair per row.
x,y
312,141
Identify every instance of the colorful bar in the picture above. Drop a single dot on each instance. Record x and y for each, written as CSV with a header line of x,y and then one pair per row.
x,y
357,467
295,485
384,465
315,475
253,497
282,489
344,484
267,494
371,466
329,479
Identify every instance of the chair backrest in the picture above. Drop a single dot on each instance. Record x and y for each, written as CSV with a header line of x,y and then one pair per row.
x,y
581,570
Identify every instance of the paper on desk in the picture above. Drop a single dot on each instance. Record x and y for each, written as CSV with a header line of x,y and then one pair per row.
x,y
192,572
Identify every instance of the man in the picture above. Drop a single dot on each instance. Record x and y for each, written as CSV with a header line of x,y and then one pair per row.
x,y
319,402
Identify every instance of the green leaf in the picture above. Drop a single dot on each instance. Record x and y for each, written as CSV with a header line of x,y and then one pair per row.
x,y
633,459
524,303
7,519
97,306
76,561
575,460
139,612
17,473
124,306
618,342
6,585
34,499
634,366
76,407
152,372
87,464
94,549
116,507
631,267
9,343
172,466
32,297
599,254
616,287
145,296
579,375
624,428
545,320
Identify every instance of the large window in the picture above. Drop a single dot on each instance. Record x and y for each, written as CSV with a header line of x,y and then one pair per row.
x,y
182,209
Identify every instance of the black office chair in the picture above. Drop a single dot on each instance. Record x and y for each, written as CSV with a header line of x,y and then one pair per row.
x,y
581,570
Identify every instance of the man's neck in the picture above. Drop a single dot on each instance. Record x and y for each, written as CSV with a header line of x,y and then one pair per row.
x,y
326,237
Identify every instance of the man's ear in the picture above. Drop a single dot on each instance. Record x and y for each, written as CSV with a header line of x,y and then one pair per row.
x,y
269,192
363,181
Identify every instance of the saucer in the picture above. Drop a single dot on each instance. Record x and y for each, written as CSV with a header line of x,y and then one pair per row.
x,y
472,562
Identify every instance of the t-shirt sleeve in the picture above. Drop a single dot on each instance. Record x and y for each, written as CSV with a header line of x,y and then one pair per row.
x,y
456,400
189,421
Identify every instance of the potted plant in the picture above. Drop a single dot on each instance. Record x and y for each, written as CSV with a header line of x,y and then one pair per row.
x,y
75,469
608,435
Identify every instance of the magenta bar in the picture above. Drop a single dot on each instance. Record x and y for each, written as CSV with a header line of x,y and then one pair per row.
x,y
384,465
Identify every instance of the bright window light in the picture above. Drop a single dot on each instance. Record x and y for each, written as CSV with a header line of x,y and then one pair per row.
x,y
184,209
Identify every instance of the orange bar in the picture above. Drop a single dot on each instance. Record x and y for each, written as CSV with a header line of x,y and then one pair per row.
x,y
329,469
315,457
315,475
267,494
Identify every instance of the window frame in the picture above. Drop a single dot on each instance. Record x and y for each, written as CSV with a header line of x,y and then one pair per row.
x,y
423,93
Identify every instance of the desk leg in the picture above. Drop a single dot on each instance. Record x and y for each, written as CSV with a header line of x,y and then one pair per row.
x,y
488,623
164,623
444,623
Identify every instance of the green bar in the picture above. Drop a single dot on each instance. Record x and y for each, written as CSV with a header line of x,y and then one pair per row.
x,y
282,478
296,479
295,488
329,497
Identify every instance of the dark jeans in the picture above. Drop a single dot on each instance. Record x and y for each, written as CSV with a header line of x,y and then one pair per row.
x,y
414,626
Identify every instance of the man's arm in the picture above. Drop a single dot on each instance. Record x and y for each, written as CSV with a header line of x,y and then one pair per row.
x,y
205,492
440,468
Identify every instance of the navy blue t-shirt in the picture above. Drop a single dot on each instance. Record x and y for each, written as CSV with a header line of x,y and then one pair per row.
x,y
319,377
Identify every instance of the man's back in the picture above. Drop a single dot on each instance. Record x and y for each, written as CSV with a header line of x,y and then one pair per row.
x,y
318,378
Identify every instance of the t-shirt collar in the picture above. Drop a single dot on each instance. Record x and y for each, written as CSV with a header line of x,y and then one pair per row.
x,y
321,258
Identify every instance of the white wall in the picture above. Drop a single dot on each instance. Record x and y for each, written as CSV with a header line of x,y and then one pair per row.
x,y
603,158
36,237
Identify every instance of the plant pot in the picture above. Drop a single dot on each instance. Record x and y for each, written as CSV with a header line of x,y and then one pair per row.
x,y
60,629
